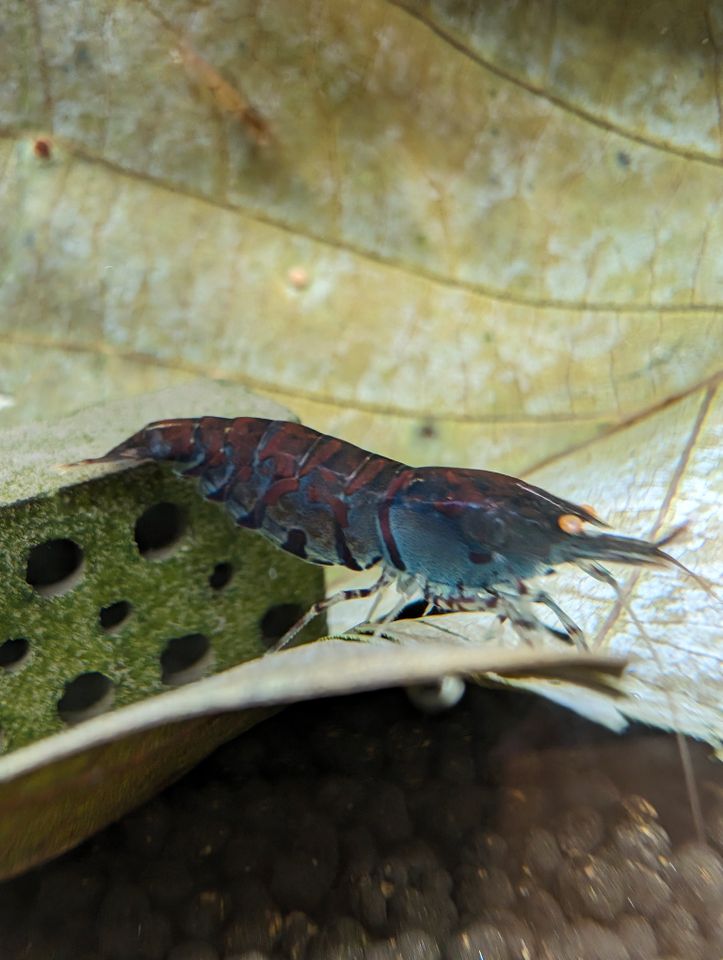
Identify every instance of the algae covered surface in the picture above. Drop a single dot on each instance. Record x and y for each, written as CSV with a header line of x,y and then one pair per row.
x,y
169,597
113,576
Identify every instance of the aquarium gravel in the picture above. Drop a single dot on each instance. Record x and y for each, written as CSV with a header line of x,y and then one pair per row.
x,y
360,829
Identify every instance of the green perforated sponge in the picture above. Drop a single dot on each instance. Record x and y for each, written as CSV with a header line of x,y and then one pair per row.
x,y
117,588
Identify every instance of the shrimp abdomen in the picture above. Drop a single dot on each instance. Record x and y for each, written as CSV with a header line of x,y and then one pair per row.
x,y
309,493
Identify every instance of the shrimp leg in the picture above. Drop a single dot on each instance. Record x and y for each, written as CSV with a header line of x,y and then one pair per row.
x,y
517,607
574,633
359,593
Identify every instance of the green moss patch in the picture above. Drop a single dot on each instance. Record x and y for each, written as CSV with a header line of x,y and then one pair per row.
x,y
120,588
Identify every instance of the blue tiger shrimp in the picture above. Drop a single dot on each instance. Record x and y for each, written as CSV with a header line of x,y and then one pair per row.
x,y
463,539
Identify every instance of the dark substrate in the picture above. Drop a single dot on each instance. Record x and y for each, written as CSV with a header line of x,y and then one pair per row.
x,y
360,829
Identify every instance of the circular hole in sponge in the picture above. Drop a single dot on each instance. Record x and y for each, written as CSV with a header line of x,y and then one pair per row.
x,y
114,615
14,653
85,696
278,619
220,576
159,529
185,659
54,566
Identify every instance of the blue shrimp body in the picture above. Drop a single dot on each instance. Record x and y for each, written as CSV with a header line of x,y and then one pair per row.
x,y
464,539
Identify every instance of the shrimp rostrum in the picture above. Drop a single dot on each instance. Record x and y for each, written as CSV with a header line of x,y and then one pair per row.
x,y
462,539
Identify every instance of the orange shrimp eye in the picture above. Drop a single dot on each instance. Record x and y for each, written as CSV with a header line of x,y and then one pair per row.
x,y
569,523
591,510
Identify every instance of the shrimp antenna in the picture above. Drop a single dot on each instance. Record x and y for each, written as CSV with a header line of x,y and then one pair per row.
x,y
598,572
706,585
